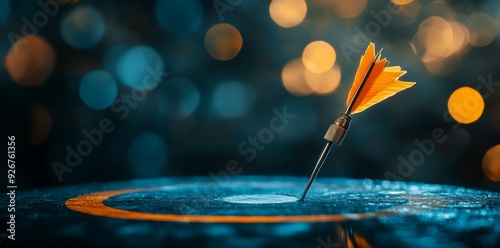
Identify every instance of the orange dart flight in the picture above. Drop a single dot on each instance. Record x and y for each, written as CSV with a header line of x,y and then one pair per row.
x,y
374,82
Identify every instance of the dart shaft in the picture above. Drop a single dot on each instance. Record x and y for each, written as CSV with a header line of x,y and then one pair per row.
x,y
317,168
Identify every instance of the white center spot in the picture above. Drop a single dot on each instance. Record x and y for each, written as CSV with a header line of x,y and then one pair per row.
x,y
260,199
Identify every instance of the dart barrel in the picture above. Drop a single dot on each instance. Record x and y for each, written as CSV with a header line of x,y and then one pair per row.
x,y
337,131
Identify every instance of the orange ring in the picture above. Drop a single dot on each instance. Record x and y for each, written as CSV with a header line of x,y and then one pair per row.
x,y
93,204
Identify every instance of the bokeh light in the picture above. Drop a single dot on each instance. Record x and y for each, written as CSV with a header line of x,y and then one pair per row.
x,y
41,123
147,154
223,41
178,97
293,78
232,99
323,83
83,27
438,37
402,2
319,56
491,163
179,17
483,29
437,40
4,11
30,61
349,9
288,13
466,105
98,89
461,36
139,65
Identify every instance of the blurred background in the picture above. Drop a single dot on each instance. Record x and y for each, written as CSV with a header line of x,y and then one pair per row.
x,y
114,90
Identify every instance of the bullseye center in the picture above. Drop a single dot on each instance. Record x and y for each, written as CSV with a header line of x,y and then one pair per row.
x,y
260,199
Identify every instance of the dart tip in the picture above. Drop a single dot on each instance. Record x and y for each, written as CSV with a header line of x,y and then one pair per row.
x,y
303,197
317,168
305,192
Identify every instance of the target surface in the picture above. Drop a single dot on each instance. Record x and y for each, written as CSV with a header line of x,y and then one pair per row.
x,y
259,211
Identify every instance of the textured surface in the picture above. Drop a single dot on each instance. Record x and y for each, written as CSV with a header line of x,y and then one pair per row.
x,y
379,213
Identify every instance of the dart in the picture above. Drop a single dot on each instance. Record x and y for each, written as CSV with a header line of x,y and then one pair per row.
x,y
374,82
